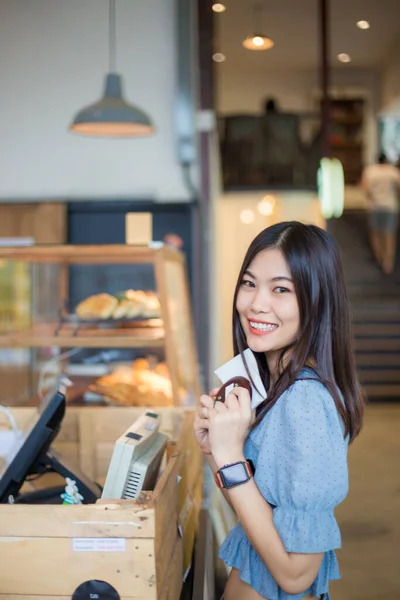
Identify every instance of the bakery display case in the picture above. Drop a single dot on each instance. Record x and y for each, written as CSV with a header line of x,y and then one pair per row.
x,y
116,320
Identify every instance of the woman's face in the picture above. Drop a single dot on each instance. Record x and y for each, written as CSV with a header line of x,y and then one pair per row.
x,y
267,303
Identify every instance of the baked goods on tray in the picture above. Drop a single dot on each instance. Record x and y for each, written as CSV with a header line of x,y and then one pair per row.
x,y
131,304
136,385
99,306
149,301
128,308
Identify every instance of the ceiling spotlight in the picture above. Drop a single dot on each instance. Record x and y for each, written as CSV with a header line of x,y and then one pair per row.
x,y
344,58
218,57
258,42
247,216
363,25
218,7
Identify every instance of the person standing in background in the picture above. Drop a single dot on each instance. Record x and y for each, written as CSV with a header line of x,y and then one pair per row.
x,y
381,183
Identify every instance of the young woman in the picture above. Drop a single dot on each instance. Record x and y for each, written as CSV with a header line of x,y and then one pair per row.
x,y
290,309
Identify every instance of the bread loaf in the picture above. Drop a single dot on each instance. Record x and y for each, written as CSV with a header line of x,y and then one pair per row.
x,y
99,306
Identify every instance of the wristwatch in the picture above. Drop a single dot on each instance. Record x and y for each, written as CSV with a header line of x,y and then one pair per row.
x,y
230,476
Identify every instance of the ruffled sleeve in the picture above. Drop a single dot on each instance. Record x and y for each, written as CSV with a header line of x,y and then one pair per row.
x,y
302,468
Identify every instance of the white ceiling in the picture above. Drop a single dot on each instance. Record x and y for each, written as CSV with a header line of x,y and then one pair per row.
x,y
294,27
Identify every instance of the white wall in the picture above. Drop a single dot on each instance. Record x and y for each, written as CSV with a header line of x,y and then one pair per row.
x,y
53,56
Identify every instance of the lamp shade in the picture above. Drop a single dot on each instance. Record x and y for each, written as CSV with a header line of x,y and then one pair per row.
x,y
112,116
257,42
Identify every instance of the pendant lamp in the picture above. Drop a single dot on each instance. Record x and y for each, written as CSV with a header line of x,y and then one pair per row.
x,y
257,41
112,116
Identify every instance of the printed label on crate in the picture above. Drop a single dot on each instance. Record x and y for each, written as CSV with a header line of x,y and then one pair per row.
x,y
99,544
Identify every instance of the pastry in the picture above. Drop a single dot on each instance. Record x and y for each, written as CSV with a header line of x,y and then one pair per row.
x,y
136,386
128,308
119,394
135,303
162,369
120,375
122,309
136,308
99,306
141,364
148,302
152,308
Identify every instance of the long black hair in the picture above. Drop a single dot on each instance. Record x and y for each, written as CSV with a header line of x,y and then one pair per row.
x,y
324,340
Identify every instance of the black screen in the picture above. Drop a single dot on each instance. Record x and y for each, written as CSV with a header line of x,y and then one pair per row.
x,y
34,448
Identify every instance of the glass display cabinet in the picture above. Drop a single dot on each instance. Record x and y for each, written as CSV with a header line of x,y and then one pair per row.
x,y
115,320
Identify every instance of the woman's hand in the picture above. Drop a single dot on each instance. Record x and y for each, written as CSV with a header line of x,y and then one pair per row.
x,y
229,426
201,421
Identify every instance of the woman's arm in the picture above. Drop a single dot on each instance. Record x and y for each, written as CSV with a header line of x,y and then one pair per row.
x,y
214,469
294,573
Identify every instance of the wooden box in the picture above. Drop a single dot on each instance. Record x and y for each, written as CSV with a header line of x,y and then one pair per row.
x,y
142,548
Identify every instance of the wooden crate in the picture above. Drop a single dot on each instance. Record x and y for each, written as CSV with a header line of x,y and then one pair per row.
x,y
39,544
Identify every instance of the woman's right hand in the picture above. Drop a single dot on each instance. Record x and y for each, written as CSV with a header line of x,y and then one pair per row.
x,y
201,421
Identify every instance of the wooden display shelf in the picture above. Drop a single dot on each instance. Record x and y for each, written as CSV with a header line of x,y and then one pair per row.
x,y
104,254
44,334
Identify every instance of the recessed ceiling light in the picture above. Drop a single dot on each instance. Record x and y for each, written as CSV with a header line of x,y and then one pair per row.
x,y
218,57
363,25
218,7
344,58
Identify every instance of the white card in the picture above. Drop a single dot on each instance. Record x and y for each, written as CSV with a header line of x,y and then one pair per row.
x,y
236,368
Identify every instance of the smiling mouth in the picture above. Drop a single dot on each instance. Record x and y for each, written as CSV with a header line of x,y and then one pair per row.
x,y
262,327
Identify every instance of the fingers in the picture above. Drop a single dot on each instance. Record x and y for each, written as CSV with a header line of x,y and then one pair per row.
x,y
206,401
219,407
205,412
238,398
214,391
200,423
242,396
232,401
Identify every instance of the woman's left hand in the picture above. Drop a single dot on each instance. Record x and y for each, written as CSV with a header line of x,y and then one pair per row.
x,y
230,424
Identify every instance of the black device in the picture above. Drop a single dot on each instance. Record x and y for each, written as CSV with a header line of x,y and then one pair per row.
x,y
35,458
235,474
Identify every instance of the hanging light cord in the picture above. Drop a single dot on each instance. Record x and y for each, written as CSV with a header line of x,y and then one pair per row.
x,y
112,39
257,16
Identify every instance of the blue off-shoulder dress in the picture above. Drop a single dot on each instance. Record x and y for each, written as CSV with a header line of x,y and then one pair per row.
x,y
300,456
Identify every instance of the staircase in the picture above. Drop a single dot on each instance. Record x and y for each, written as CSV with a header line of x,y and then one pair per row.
x,y
375,303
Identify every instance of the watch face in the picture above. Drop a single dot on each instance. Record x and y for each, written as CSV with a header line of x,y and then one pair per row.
x,y
234,475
